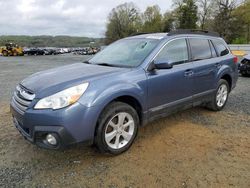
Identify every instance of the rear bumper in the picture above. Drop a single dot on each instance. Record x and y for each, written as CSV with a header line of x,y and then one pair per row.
x,y
70,125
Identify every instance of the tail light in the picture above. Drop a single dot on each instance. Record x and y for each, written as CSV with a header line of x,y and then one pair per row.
x,y
235,59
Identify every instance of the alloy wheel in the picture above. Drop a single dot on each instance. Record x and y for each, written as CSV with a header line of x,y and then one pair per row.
x,y
119,130
222,95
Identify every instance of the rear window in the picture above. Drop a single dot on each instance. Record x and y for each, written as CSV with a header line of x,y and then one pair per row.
x,y
200,49
220,47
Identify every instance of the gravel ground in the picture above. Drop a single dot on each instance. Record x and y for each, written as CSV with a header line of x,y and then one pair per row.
x,y
193,148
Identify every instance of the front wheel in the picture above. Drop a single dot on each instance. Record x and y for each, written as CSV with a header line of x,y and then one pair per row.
x,y
117,128
220,97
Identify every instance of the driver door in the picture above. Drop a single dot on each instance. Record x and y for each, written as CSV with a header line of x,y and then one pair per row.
x,y
171,89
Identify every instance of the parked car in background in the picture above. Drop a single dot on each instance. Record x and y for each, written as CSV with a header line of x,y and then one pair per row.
x,y
131,82
34,51
244,67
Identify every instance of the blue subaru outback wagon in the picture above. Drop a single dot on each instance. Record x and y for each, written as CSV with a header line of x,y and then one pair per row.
x,y
135,80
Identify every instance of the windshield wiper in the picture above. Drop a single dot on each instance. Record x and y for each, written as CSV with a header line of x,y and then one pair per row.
x,y
106,64
113,65
86,62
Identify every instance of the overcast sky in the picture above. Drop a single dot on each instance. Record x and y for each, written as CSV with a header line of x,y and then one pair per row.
x,y
62,17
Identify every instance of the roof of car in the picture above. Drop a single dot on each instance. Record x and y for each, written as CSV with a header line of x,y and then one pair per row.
x,y
149,35
180,33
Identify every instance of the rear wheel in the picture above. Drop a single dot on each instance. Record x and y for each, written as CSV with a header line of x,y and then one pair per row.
x,y
220,97
117,128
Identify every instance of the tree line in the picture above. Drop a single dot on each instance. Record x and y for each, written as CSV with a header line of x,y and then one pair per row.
x,y
230,18
51,41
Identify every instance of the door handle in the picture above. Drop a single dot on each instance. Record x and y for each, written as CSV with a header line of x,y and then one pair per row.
x,y
217,65
188,73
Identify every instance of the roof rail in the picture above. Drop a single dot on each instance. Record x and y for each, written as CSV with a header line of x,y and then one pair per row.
x,y
193,31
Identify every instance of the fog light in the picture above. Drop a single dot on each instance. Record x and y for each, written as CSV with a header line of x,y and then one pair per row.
x,y
51,139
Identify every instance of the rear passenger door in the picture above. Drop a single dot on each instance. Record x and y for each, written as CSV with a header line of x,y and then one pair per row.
x,y
205,66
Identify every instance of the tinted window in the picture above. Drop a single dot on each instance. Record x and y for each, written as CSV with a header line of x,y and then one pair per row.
x,y
174,52
220,47
200,49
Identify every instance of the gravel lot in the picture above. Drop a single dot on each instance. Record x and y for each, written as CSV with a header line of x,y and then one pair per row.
x,y
194,148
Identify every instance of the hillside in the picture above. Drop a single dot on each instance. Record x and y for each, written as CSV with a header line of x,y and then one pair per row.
x,y
51,41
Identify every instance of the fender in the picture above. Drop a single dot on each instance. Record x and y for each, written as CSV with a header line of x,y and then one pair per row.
x,y
224,70
109,94
99,102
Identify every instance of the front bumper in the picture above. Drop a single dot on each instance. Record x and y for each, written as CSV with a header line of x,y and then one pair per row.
x,y
70,125
39,135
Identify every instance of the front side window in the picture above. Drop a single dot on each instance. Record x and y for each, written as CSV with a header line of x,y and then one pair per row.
x,y
200,49
175,52
125,53
220,47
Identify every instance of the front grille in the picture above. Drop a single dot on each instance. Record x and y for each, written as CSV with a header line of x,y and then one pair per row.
x,y
22,98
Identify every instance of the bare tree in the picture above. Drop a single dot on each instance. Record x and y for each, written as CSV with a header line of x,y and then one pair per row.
x,y
205,11
224,21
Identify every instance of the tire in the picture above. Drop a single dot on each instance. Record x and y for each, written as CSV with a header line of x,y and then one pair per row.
x,y
110,134
15,53
214,104
5,53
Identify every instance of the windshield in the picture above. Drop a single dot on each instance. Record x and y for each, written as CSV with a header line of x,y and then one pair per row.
x,y
125,53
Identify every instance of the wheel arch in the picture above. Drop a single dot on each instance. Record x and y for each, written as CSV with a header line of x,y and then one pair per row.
x,y
128,99
132,101
228,78
226,73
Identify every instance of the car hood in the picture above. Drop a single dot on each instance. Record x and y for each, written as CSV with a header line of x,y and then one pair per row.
x,y
66,75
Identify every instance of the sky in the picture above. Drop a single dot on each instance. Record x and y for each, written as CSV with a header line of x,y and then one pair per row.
x,y
62,17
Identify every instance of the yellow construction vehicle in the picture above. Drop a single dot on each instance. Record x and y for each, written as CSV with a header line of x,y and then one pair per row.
x,y
11,49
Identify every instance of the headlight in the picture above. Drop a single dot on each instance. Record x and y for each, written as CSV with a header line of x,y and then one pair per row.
x,y
63,98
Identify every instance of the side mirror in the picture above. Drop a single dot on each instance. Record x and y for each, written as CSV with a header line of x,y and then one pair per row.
x,y
160,65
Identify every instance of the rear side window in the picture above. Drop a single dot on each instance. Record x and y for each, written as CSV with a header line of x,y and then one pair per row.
x,y
200,49
220,47
174,52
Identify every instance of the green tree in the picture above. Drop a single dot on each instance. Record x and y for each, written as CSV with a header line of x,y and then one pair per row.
x,y
169,21
242,15
152,19
123,21
187,12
